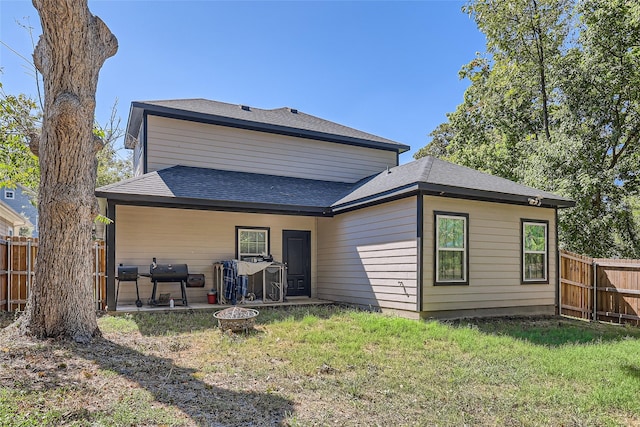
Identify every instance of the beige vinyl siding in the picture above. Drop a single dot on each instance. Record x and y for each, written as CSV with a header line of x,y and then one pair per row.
x,y
192,237
369,256
173,142
5,227
494,257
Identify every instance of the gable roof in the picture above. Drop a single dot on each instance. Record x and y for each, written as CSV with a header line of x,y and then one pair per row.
x,y
8,214
182,186
285,121
438,177
22,201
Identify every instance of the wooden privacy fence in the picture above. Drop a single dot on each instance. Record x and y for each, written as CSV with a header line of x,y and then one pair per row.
x,y
600,288
17,272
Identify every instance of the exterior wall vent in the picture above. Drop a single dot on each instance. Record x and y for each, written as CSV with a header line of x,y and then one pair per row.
x,y
245,107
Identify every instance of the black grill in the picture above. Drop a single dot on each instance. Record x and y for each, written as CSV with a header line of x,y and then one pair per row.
x,y
168,272
128,273
165,273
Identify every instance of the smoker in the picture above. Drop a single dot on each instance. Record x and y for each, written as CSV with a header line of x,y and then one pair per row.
x,y
128,273
168,273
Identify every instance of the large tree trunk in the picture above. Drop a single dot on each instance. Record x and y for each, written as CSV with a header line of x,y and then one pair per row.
x,y
72,48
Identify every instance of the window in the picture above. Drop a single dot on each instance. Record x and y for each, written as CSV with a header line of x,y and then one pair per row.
x,y
9,194
451,248
251,242
535,248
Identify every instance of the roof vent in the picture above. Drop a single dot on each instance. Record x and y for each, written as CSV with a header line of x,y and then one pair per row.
x,y
245,107
293,110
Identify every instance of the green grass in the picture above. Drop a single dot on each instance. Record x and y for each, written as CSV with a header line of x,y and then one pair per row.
x,y
329,365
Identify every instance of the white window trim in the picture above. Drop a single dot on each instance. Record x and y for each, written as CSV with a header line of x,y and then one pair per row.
x,y
464,249
266,241
545,268
9,192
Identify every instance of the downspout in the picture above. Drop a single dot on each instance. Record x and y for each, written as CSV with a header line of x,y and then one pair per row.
x,y
110,269
420,257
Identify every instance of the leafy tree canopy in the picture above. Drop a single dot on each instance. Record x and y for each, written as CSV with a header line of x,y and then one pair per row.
x,y
19,118
555,103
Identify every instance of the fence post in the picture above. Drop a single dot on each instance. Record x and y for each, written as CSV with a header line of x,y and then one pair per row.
x,y
9,265
28,268
595,291
95,277
560,260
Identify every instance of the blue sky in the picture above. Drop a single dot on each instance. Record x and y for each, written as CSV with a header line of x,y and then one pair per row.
x,y
387,68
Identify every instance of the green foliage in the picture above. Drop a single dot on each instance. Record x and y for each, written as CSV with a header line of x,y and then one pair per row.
x,y
450,233
111,166
555,104
534,237
18,119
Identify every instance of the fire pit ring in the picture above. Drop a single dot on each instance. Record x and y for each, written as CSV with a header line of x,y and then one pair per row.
x,y
236,318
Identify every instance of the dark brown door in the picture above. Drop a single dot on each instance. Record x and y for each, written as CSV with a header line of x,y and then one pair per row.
x,y
296,253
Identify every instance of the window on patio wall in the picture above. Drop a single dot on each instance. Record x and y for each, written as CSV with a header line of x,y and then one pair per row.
x,y
535,248
451,248
252,242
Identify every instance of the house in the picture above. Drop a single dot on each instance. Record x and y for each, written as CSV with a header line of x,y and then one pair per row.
x,y
11,221
21,201
216,181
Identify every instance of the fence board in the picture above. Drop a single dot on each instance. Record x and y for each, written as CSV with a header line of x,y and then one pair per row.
x,y
617,284
17,265
576,285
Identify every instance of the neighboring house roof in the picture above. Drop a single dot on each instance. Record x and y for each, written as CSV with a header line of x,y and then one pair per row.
x,y
12,217
213,188
438,177
217,189
286,121
22,204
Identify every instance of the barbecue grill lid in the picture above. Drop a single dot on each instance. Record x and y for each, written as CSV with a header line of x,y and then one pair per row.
x,y
127,272
159,271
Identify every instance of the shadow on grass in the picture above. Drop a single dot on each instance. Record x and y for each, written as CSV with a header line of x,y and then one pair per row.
x,y
163,323
178,387
178,322
296,313
553,331
632,370
6,319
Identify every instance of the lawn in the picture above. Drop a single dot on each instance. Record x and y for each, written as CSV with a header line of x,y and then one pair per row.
x,y
324,366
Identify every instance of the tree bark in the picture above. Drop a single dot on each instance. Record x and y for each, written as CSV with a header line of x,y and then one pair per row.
x,y
70,52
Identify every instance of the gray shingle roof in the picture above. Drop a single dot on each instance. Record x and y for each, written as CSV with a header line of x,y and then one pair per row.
x,y
182,185
438,176
280,120
213,187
